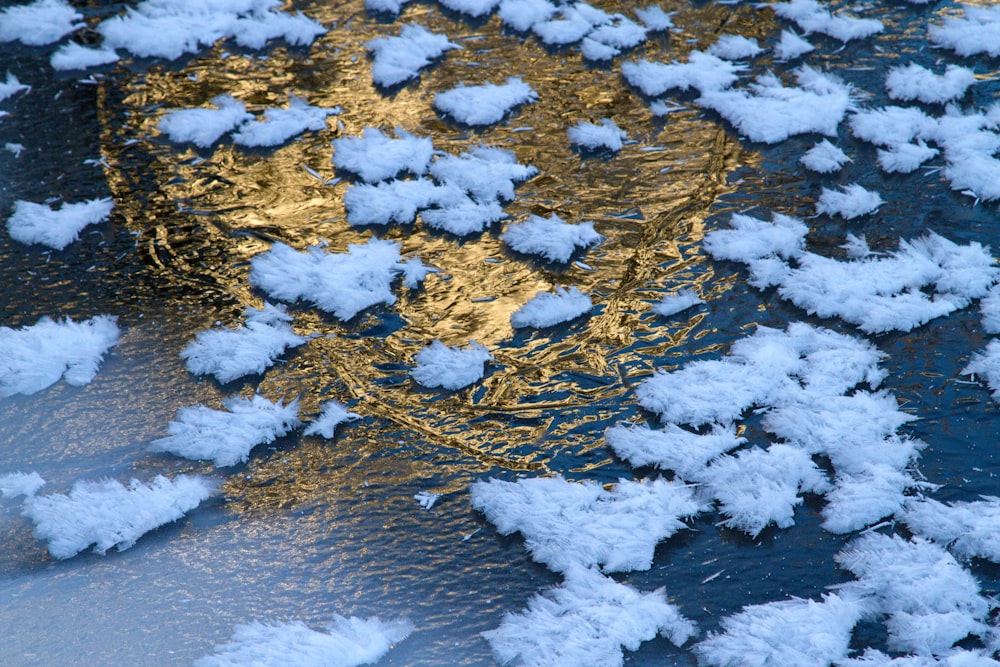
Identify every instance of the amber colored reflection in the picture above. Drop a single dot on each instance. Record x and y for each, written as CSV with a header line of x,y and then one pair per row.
x,y
548,393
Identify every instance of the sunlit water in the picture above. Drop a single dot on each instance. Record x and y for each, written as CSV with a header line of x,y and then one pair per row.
x,y
310,528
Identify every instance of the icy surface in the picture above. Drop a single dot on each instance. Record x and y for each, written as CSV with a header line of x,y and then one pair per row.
x,y
343,642
55,228
399,59
39,23
486,104
551,238
281,124
226,437
547,309
35,357
375,157
203,127
606,135
450,367
333,415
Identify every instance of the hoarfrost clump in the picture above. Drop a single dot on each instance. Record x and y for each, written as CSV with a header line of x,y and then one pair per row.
x,y
450,367
672,447
852,201
989,306
485,104
567,524
473,8
914,82
232,353
972,33
607,135
281,124
344,642
969,143
17,484
334,414
387,6
824,158
464,216
702,71
109,514
655,18
486,172
573,22
399,59
12,86
671,304
791,46
397,200
587,620
735,47
35,357
521,15
71,56
986,364
609,39
548,309
968,529
376,157
55,228
812,17
203,127
226,437
765,247
39,23
905,158
551,238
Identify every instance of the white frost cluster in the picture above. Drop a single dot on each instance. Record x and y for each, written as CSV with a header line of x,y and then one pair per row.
x,y
568,524
229,354
39,23
791,46
969,529
11,86
376,157
824,158
702,71
399,59
203,127
343,642
551,238
282,123
603,136
735,47
55,228
972,33
671,304
226,437
72,56
849,202
547,309
672,447
986,364
333,415
587,620
450,367
811,16
35,357
485,104
913,82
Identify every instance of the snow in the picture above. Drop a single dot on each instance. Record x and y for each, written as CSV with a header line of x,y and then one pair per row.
x,y
343,284
281,124
450,367
892,125
226,437
473,8
672,447
608,40
568,524
521,15
734,47
551,238
56,228
703,72
464,217
376,157
655,18
548,309
824,158
72,56
485,104
12,86
804,633
812,17
17,484
36,357
573,22
905,158
764,247
791,46
229,354
971,34
385,6
986,364
486,172
333,415
109,514
862,499
586,621
605,135
399,59
968,529
990,308
969,143
203,127
397,200
39,23
849,202
343,642
671,304
913,82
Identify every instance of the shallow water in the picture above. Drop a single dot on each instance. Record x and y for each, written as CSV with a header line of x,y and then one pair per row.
x,y
311,528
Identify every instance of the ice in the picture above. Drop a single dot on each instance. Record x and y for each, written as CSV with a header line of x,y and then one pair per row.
x,y
655,18
485,104
586,621
12,86
450,367
804,633
334,414
523,14
385,6
426,499
771,112
281,124
229,354
791,46
72,56
574,22
861,499
56,228
568,524
971,34
930,600
376,157
16,149
35,357
343,642
226,437
824,158
39,23
990,308
913,82
548,309
672,304
735,47
905,158
607,40
343,284
397,201
890,126
203,127
414,272
968,529
986,364
17,484
760,245
672,447
703,72
399,59
109,514
486,172
812,17
849,202
969,143
606,135
465,217
551,238
473,8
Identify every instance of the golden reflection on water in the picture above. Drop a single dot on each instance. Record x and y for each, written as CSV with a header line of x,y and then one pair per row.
x,y
548,393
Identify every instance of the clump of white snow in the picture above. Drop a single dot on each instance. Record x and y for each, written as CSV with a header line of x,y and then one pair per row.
x,y
986,364
281,124
913,82
226,437
55,228
485,104
655,18
791,46
811,16
232,353
586,621
604,136
343,642
17,484
473,8
610,38
35,357
11,86
824,158
735,47
334,414
399,59
548,309
523,14
376,157
71,56
109,514
485,172
450,367
426,499
905,158
990,308
397,200
551,238
39,23
763,246
968,529
672,447
203,127
851,201
570,24
385,6
702,71
671,304
970,34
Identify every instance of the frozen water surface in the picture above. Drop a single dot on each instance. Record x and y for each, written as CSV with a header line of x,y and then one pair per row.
x,y
846,458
